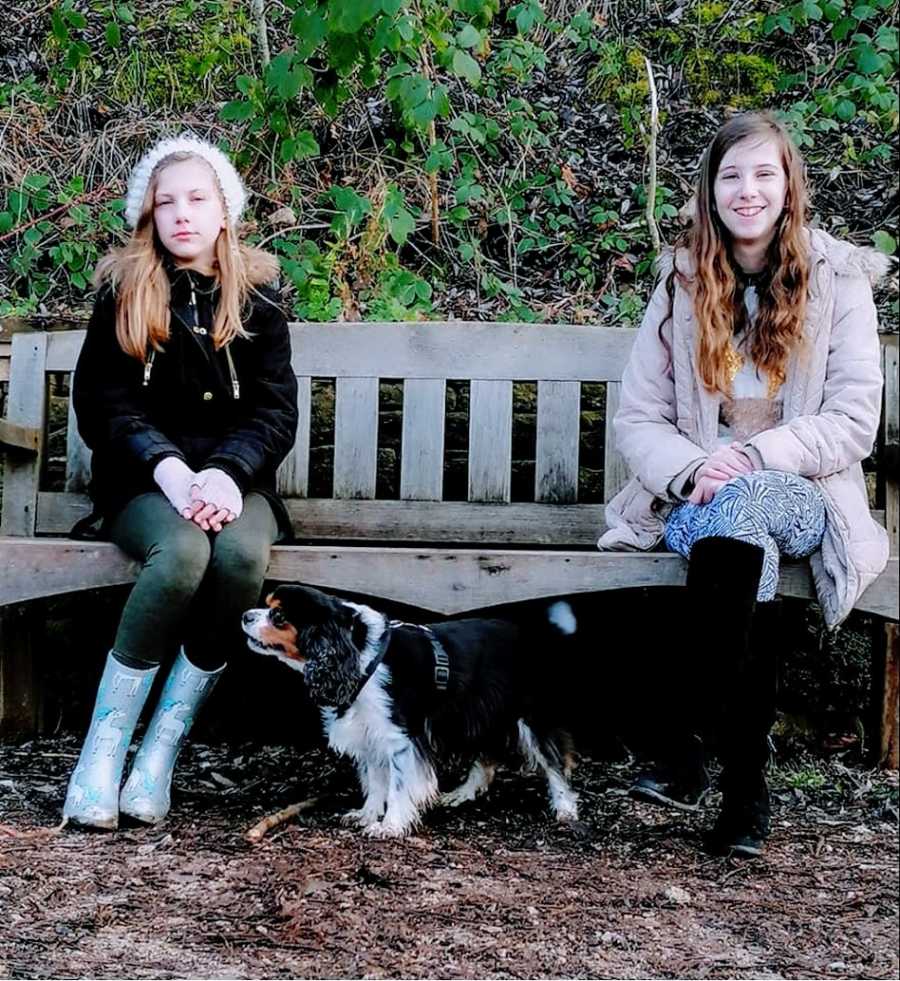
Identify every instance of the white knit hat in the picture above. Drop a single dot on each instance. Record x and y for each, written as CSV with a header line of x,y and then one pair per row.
x,y
232,187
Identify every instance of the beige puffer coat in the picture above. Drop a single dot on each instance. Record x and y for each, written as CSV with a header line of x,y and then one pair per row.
x,y
832,401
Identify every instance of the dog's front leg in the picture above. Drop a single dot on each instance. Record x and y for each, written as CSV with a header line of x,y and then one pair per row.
x,y
412,787
373,780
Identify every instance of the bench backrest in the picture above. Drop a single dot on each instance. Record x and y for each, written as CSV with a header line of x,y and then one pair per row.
x,y
489,357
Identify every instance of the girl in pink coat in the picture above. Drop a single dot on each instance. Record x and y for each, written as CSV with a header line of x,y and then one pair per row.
x,y
751,397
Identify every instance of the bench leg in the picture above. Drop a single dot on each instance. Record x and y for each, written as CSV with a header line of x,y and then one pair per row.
x,y
21,707
889,716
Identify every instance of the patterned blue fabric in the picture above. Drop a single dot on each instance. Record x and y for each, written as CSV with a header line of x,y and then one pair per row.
x,y
782,513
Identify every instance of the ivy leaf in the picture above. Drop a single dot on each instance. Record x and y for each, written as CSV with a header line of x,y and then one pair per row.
x,y
398,218
468,37
812,9
36,182
348,16
439,158
237,111
845,110
842,28
285,78
885,242
125,13
465,66
113,34
58,26
307,144
6,222
868,60
310,29
423,114
351,209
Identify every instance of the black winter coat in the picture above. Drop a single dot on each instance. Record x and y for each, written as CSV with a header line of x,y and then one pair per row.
x,y
186,404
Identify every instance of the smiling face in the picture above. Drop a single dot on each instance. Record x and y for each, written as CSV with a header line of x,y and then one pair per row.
x,y
750,188
188,211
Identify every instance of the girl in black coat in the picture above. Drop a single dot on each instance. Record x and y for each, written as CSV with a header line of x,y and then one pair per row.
x,y
185,393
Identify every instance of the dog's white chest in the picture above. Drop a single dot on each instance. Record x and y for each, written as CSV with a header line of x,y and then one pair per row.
x,y
365,730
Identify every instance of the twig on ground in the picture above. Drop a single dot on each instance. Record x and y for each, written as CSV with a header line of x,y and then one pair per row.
x,y
263,827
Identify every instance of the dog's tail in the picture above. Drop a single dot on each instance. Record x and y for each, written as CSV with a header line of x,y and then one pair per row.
x,y
562,618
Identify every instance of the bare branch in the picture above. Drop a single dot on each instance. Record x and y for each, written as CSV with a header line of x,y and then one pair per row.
x,y
651,180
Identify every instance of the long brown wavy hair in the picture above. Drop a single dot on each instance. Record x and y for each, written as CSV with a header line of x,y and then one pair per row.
x,y
712,281
137,274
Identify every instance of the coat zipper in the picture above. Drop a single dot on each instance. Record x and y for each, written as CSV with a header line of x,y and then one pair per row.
x,y
197,329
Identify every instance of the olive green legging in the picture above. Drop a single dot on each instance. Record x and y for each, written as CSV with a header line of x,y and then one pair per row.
x,y
193,585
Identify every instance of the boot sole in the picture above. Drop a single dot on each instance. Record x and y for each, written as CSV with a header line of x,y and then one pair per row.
x,y
649,796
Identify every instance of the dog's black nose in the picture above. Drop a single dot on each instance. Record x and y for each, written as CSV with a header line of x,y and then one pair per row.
x,y
247,617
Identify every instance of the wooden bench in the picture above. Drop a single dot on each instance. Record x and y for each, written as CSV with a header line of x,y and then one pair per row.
x,y
419,549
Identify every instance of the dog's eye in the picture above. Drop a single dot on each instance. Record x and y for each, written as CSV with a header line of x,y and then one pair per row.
x,y
278,618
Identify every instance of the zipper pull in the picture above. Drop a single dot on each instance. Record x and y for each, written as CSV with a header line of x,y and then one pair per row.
x,y
148,367
197,329
235,384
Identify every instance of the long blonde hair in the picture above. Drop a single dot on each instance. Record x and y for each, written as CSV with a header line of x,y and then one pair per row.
x,y
138,275
713,283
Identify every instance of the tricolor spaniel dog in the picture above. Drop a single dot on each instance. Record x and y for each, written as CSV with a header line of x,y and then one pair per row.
x,y
398,697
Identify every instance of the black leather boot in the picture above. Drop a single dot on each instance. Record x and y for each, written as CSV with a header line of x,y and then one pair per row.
x,y
747,717
722,582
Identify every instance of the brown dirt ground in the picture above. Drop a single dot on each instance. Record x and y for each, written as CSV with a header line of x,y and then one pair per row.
x,y
494,890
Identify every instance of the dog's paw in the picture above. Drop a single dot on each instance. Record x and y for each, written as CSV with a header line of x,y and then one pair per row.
x,y
385,829
361,817
356,818
453,798
567,812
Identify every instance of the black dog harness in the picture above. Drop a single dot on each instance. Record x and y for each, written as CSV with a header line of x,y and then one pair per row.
x,y
441,660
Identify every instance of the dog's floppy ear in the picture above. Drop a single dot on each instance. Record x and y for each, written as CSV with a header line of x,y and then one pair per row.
x,y
359,629
306,605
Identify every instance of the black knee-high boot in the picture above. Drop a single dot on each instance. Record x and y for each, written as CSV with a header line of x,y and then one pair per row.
x,y
748,714
713,633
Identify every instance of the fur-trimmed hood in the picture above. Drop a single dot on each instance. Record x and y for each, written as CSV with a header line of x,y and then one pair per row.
x,y
844,258
847,259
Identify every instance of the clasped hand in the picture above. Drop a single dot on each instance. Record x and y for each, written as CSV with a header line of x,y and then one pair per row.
x,y
719,467
210,498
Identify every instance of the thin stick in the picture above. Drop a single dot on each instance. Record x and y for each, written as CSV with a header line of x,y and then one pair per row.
x,y
88,197
263,827
651,183
258,13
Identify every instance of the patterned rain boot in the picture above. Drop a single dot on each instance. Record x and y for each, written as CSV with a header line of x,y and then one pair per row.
x,y
92,798
146,795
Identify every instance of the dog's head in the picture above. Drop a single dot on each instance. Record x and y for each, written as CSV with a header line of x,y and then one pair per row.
x,y
329,640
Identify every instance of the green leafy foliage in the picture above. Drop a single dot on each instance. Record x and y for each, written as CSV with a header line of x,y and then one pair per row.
x,y
499,149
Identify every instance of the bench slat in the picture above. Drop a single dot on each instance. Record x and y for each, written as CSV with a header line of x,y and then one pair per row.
x,y
556,447
355,437
615,470
318,519
422,440
462,350
490,440
26,406
293,474
434,349
447,581
891,367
